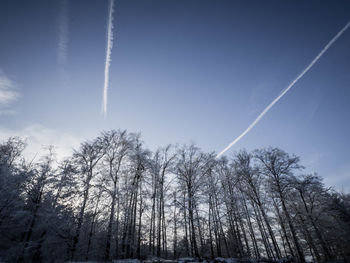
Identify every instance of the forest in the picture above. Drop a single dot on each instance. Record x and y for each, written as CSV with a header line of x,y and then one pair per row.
x,y
115,199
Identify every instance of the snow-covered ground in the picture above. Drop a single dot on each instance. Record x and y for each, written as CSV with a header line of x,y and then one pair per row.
x,y
195,260
127,261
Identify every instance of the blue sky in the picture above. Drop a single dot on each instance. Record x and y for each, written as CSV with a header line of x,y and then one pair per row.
x,y
181,71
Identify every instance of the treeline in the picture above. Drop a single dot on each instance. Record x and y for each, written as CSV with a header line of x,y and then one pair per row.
x,y
113,198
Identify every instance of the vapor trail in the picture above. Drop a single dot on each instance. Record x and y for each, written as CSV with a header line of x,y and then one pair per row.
x,y
330,43
108,54
63,38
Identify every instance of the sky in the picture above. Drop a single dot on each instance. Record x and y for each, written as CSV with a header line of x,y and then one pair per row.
x,y
181,71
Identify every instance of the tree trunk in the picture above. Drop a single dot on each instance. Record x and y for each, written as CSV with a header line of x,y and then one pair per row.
x,y
292,229
283,228
110,224
81,214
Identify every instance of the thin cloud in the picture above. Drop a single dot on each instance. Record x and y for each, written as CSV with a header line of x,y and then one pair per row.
x,y
108,55
39,137
251,126
63,37
7,93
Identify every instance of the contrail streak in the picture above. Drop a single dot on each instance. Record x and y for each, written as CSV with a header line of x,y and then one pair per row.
x,y
251,126
108,55
63,38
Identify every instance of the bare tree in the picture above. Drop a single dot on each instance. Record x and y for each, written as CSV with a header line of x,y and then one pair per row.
x,y
117,146
86,159
278,166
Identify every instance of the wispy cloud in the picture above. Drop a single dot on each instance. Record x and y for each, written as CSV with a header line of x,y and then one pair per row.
x,y
251,126
63,37
39,137
7,93
108,55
